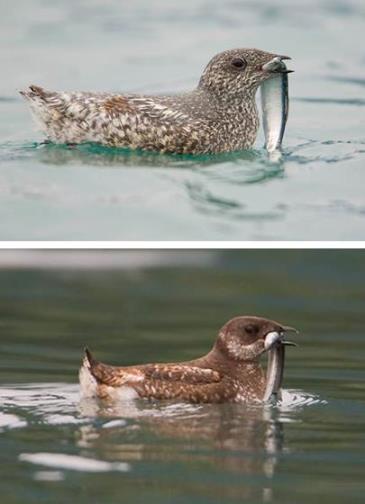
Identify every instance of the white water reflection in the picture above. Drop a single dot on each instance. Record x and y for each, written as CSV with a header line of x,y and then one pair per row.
x,y
11,421
60,404
72,462
244,441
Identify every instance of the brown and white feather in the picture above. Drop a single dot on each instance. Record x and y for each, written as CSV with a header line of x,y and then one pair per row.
x,y
230,372
220,115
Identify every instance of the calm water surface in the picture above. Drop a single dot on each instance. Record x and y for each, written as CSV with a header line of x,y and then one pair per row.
x,y
316,192
144,307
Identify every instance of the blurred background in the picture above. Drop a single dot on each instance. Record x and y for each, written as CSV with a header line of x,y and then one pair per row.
x,y
162,47
131,306
145,306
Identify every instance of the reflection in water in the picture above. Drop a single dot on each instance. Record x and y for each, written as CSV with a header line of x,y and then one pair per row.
x,y
97,155
209,180
216,452
235,439
207,202
216,192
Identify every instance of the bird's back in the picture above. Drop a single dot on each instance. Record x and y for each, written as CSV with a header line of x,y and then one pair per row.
x,y
202,380
136,121
192,122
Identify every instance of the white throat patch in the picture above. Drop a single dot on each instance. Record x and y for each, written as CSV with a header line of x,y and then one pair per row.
x,y
240,351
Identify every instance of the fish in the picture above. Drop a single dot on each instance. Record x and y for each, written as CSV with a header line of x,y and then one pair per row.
x,y
275,365
275,103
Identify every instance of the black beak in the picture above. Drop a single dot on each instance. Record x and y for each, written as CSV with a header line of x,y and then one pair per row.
x,y
289,329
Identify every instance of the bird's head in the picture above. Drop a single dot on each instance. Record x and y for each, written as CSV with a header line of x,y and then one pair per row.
x,y
246,338
238,71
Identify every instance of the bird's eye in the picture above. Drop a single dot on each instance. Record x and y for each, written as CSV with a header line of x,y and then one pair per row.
x,y
251,329
239,63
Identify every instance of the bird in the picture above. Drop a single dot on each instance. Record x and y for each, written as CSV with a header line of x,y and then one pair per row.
x,y
219,115
229,372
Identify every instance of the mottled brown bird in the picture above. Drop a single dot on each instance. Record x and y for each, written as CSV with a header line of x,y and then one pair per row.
x,y
230,372
220,115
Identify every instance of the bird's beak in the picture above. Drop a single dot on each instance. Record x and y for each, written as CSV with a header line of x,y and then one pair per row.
x,y
289,329
276,65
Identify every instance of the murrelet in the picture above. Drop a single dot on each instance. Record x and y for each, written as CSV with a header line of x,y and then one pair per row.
x,y
230,372
220,115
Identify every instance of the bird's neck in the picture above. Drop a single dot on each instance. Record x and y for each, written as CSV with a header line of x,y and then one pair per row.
x,y
239,116
228,96
219,357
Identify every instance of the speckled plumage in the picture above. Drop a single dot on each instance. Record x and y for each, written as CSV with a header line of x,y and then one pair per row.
x,y
230,372
220,115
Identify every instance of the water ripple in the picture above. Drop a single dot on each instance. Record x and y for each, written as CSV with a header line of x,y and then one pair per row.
x,y
346,80
59,404
293,399
360,102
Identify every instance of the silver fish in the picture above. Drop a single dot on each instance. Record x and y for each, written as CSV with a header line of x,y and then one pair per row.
x,y
275,344
275,103
275,371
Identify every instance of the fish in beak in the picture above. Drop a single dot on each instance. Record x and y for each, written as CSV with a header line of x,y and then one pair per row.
x,y
275,102
275,344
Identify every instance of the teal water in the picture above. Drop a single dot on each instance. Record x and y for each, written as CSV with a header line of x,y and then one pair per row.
x,y
316,192
134,307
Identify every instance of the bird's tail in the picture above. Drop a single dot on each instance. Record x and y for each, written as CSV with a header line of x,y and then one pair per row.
x,y
88,383
88,358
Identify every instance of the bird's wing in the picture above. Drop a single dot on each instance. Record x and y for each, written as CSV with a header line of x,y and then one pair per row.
x,y
121,120
185,382
156,108
188,374
87,106
117,376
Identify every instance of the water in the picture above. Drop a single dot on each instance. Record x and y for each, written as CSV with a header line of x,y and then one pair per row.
x,y
316,192
149,306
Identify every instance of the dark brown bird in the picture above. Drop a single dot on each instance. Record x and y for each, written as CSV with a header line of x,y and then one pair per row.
x,y
230,372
